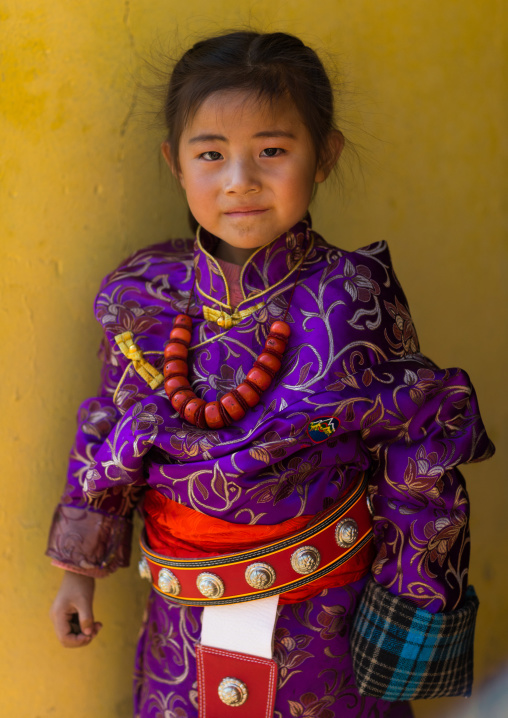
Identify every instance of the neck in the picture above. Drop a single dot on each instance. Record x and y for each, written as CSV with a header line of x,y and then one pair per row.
x,y
235,255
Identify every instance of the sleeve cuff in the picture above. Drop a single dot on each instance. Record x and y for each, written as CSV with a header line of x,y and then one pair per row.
x,y
89,542
402,652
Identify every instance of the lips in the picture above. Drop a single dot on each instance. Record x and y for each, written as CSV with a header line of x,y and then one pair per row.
x,y
245,211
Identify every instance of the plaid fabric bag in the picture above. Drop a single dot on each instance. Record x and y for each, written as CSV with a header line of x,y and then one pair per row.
x,y
401,652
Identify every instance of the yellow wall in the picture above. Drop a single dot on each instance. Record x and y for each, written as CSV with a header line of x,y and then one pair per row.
x,y
81,187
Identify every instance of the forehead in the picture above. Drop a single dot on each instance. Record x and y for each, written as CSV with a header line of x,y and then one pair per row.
x,y
243,112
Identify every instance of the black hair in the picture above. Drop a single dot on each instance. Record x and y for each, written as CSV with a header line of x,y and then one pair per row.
x,y
272,65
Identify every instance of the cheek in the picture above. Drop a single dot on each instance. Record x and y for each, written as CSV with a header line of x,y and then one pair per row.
x,y
202,203
199,189
298,191
204,182
298,184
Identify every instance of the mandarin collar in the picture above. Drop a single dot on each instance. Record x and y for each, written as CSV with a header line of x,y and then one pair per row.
x,y
265,269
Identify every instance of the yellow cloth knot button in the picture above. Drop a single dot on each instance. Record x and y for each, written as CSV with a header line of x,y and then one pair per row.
x,y
134,353
226,321
130,349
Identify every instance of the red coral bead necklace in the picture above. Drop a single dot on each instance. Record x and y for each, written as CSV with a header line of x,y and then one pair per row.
x,y
235,404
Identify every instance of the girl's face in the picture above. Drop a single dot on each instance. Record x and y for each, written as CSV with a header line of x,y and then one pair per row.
x,y
248,168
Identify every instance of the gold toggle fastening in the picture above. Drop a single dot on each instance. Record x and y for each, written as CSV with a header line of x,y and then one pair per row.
x,y
260,575
168,582
210,585
306,559
346,532
226,321
233,692
144,569
129,349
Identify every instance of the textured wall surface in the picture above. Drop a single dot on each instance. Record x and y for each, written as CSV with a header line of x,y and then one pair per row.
x,y
81,187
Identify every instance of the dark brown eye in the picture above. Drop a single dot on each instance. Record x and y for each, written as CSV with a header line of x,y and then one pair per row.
x,y
211,156
271,152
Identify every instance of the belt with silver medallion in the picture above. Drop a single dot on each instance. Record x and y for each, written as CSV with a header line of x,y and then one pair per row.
x,y
334,548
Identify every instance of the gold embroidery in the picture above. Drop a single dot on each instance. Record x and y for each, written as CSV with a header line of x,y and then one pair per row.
x,y
149,373
229,320
261,292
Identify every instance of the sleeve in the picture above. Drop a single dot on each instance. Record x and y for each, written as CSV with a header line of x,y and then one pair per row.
x,y
412,636
92,534
413,632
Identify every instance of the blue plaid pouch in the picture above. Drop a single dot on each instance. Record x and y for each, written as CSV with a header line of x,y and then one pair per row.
x,y
401,652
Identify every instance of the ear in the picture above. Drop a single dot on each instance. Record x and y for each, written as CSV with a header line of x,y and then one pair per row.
x,y
170,161
335,146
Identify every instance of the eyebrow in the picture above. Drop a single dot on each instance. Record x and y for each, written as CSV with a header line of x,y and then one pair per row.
x,y
275,133
265,133
207,138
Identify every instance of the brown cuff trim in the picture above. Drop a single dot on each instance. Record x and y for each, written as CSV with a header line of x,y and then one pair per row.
x,y
89,542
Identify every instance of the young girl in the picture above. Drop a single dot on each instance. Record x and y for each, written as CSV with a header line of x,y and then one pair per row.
x,y
306,527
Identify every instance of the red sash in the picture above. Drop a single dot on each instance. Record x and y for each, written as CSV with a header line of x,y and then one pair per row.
x,y
176,531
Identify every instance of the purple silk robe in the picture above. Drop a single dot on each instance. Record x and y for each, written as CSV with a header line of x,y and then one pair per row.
x,y
353,354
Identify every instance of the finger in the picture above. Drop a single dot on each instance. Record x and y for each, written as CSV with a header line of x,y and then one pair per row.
x,y
96,628
61,622
76,639
73,641
68,631
85,618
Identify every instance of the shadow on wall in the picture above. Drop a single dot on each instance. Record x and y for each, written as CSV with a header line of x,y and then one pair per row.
x,y
490,701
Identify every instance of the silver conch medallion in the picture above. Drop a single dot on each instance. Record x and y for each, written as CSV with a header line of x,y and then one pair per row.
x,y
168,582
306,559
233,692
260,575
346,532
210,585
144,568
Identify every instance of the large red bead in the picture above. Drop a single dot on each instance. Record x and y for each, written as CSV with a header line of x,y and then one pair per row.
x,y
183,320
181,397
200,417
232,406
260,378
181,333
213,416
175,350
192,408
176,367
248,394
175,382
281,329
275,344
269,361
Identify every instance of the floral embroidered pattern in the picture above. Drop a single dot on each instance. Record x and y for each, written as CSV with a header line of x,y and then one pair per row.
x,y
290,654
97,420
359,283
312,707
314,675
406,341
130,316
353,355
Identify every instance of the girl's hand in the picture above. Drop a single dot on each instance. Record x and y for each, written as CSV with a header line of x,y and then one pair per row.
x,y
72,611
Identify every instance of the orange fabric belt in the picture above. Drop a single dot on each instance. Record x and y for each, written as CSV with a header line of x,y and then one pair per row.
x,y
199,560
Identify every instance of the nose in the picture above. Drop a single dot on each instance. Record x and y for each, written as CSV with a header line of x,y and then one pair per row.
x,y
242,178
